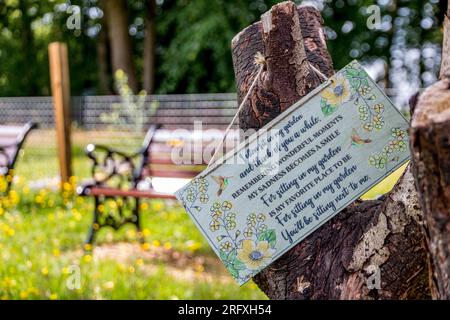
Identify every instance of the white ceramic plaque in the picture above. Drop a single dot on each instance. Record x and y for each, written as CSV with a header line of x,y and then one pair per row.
x,y
300,170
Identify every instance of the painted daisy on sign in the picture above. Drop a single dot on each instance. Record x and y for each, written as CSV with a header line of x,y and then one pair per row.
x,y
336,94
255,254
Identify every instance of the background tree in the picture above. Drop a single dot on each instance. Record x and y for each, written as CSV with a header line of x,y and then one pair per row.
x,y
185,44
116,19
149,46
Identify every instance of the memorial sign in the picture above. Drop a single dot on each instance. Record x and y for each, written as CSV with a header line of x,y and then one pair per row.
x,y
299,171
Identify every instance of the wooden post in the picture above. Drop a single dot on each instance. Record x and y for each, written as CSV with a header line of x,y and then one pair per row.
x,y
60,82
369,239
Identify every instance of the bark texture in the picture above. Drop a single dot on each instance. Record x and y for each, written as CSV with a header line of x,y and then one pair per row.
x,y
288,38
430,143
342,259
445,64
116,14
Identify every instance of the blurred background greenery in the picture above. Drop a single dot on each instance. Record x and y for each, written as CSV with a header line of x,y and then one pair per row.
x,y
182,46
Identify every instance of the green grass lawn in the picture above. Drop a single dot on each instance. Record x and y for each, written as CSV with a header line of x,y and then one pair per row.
x,y
42,234
41,252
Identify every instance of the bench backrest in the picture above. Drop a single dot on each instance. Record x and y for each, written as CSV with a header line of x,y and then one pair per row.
x,y
183,153
11,140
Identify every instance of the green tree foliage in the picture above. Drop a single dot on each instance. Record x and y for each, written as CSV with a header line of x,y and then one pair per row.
x,y
27,27
195,45
405,25
193,41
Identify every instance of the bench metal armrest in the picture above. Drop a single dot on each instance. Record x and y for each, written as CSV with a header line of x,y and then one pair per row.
x,y
118,169
112,167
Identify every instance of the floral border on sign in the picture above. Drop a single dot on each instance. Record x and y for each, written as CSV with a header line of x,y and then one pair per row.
x,y
352,84
197,190
397,144
242,251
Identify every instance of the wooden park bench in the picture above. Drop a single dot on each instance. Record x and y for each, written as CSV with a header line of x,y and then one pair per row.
x,y
11,141
126,178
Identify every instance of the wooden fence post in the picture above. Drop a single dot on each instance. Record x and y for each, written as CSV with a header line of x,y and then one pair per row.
x,y
60,82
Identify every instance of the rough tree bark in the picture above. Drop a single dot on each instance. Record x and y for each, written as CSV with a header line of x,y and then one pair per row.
x,y
149,46
116,15
430,143
383,235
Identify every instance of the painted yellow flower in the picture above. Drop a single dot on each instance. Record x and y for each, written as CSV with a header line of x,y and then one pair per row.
x,y
214,225
254,255
338,92
204,198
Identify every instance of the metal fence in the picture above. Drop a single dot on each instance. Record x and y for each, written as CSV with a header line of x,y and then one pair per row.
x,y
87,111
216,110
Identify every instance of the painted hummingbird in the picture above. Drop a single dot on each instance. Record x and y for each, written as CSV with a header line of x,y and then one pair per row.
x,y
222,182
357,140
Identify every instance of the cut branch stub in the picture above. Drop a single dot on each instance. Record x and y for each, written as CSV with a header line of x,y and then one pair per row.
x,y
383,235
286,34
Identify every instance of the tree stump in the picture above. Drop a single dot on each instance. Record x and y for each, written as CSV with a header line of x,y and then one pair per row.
x,y
430,143
383,236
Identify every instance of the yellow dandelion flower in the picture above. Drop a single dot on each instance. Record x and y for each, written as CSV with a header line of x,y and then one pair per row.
x,y
199,268
156,243
44,271
87,258
144,206
158,206
56,252
167,246
26,190
10,232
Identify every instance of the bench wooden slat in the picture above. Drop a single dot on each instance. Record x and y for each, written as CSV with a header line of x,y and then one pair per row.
x,y
10,152
11,140
179,154
171,173
183,162
110,192
190,126
167,134
10,130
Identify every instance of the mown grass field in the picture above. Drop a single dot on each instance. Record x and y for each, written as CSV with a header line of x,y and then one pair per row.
x,y
42,234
